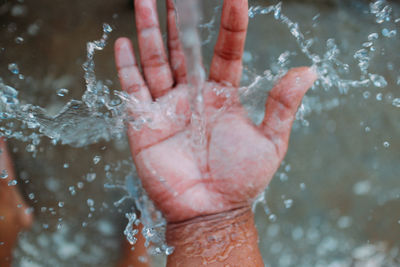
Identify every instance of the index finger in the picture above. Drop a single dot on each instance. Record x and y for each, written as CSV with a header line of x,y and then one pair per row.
x,y
226,65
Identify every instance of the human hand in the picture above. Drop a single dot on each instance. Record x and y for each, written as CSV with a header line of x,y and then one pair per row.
x,y
13,210
237,159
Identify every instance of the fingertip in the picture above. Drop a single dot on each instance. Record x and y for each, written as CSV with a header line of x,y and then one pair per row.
x,y
124,55
291,88
305,76
235,15
314,72
170,4
120,43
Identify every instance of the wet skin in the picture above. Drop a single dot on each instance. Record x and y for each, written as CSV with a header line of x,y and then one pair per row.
x,y
135,255
187,179
13,215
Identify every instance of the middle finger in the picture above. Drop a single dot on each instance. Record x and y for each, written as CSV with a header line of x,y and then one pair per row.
x,y
153,57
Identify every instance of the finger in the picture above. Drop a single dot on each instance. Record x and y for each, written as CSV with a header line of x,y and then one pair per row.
x,y
282,104
176,54
153,57
129,75
226,65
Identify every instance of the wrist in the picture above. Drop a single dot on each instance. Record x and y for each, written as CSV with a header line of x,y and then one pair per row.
x,y
224,239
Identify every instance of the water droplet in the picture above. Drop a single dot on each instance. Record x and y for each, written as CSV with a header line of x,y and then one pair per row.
x,y
62,92
316,17
389,33
283,177
90,177
12,183
362,187
61,204
19,10
13,67
379,96
344,222
143,259
272,218
66,165
90,202
29,210
288,203
277,11
373,36
4,174
30,148
396,102
378,80
80,185
386,144
96,159
33,29
303,186
366,94
169,250
31,196
247,56
72,190
288,168
19,40
107,28
367,44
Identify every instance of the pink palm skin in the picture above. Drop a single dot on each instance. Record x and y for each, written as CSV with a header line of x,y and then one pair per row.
x,y
237,159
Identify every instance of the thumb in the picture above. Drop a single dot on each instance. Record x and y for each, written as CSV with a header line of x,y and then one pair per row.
x,y
282,104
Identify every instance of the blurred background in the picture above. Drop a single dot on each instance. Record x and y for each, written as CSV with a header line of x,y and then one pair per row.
x,y
334,202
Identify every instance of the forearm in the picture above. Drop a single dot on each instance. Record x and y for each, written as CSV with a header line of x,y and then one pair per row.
x,y
225,239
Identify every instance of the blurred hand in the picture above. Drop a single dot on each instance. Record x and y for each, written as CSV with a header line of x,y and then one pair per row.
x,y
13,215
237,159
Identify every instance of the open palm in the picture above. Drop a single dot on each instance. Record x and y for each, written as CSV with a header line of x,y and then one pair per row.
x,y
190,168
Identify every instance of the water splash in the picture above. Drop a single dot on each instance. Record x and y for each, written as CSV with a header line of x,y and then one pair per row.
x,y
331,70
154,224
381,10
99,115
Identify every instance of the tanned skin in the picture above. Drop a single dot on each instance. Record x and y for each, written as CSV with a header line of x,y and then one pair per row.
x,y
135,255
205,192
14,214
